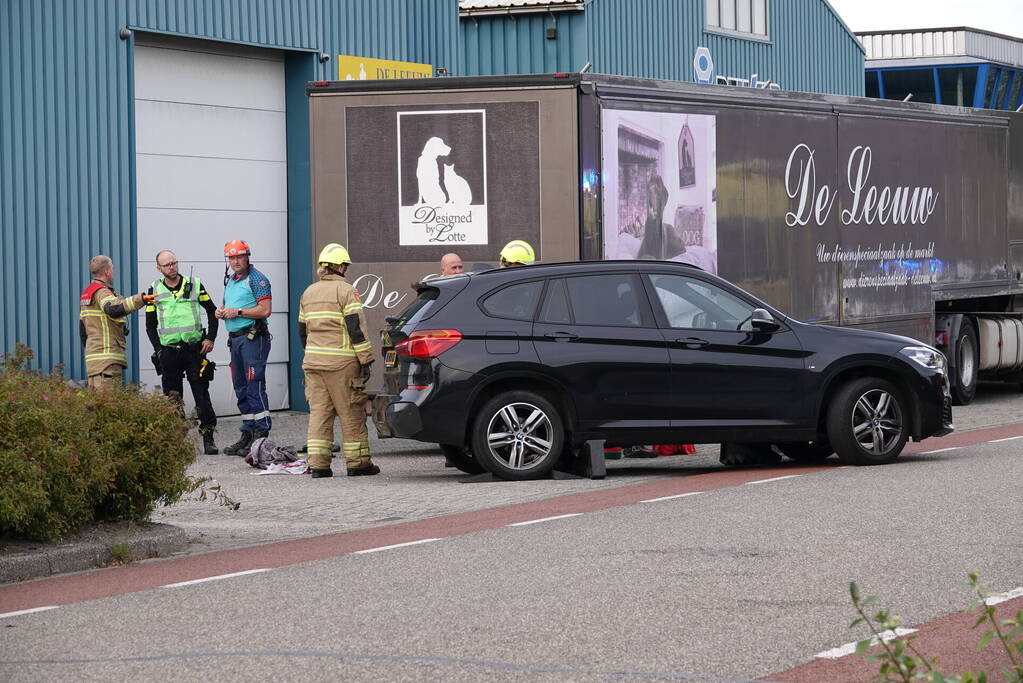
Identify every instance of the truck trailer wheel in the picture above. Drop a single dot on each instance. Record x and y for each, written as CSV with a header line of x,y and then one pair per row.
x,y
867,422
964,381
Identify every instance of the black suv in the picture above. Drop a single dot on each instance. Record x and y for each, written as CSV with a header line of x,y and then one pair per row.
x,y
511,369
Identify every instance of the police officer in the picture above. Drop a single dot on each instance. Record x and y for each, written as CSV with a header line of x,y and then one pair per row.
x,y
102,324
517,253
247,305
337,365
180,342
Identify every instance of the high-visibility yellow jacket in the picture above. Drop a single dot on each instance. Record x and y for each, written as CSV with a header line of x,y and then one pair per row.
x,y
332,325
102,319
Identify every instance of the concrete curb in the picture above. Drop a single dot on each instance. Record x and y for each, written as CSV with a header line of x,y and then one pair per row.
x,y
88,549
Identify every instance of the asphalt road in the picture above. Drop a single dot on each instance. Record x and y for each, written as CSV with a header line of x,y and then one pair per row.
x,y
734,583
416,485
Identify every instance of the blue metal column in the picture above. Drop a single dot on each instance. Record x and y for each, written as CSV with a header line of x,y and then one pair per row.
x,y
133,215
981,88
880,84
299,68
937,86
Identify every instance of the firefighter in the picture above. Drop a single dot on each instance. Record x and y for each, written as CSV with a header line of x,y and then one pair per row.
x,y
103,327
517,253
247,305
180,343
337,365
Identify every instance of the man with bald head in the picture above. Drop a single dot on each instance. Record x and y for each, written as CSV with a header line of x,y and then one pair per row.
x,y
180,342
451,264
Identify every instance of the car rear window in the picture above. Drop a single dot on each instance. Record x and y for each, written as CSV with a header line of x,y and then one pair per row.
x,y
415,311
517,302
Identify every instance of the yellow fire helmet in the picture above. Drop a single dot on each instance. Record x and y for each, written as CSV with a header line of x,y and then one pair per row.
x,y
334,254
518,251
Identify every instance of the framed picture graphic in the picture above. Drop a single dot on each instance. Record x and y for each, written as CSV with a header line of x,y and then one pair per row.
x,y
646,213
442,179
686,157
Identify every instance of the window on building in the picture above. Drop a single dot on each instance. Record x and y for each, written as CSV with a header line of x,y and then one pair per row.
x,y
1013,100
901,82
992,84
872,90
1003,82
741,16
957,84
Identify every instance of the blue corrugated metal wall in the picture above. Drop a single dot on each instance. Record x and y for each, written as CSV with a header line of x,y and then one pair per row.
x,y
517,44
66,124
808,47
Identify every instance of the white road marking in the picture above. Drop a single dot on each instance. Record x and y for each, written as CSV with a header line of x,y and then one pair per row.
x,y
1010,438
764,481
214,578
680,495
992,600
940,450
545,519
28,611
850,648
396,545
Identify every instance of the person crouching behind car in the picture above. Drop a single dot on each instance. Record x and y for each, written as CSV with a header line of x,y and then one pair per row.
x,y
337,364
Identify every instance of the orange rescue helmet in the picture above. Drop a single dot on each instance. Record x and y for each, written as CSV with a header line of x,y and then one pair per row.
x,y
237,248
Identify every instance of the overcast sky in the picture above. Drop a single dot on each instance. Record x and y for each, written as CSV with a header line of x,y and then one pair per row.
x,y
1000,16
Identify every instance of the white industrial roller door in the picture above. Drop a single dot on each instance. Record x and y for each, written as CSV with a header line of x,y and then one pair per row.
x,y
211,166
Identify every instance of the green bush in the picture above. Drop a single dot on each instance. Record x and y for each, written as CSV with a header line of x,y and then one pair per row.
x,y
71,457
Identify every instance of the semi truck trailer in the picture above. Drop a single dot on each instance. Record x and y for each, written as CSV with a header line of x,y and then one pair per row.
x,y
899,217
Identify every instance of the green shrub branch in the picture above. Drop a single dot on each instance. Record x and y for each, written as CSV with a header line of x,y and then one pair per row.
x,y
71,457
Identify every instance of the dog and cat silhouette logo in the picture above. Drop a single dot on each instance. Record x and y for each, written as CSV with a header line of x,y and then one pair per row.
x,y
442,177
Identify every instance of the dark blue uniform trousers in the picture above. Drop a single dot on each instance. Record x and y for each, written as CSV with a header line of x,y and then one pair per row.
x,y
248,374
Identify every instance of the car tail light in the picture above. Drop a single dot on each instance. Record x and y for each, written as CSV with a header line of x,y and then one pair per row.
x,y
426,344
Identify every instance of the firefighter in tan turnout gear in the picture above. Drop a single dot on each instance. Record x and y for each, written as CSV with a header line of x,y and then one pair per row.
x,y
102,324
337,364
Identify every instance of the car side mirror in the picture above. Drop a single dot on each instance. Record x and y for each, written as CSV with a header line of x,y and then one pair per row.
x,y
763,321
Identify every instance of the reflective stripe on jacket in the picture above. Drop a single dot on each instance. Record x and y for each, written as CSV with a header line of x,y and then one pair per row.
x,y
323,308
105,335
178,317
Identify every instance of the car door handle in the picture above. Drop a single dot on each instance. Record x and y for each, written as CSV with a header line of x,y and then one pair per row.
x,y
693,342
561,336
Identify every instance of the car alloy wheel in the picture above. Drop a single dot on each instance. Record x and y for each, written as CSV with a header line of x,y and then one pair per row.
x,y
867,422
518,435
877,421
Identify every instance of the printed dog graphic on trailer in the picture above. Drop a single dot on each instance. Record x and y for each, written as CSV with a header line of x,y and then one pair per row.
x,y
428,172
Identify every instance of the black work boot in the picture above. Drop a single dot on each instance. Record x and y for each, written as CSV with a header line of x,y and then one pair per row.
x,y
259,434
209,446
320,473
362,467
241,446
